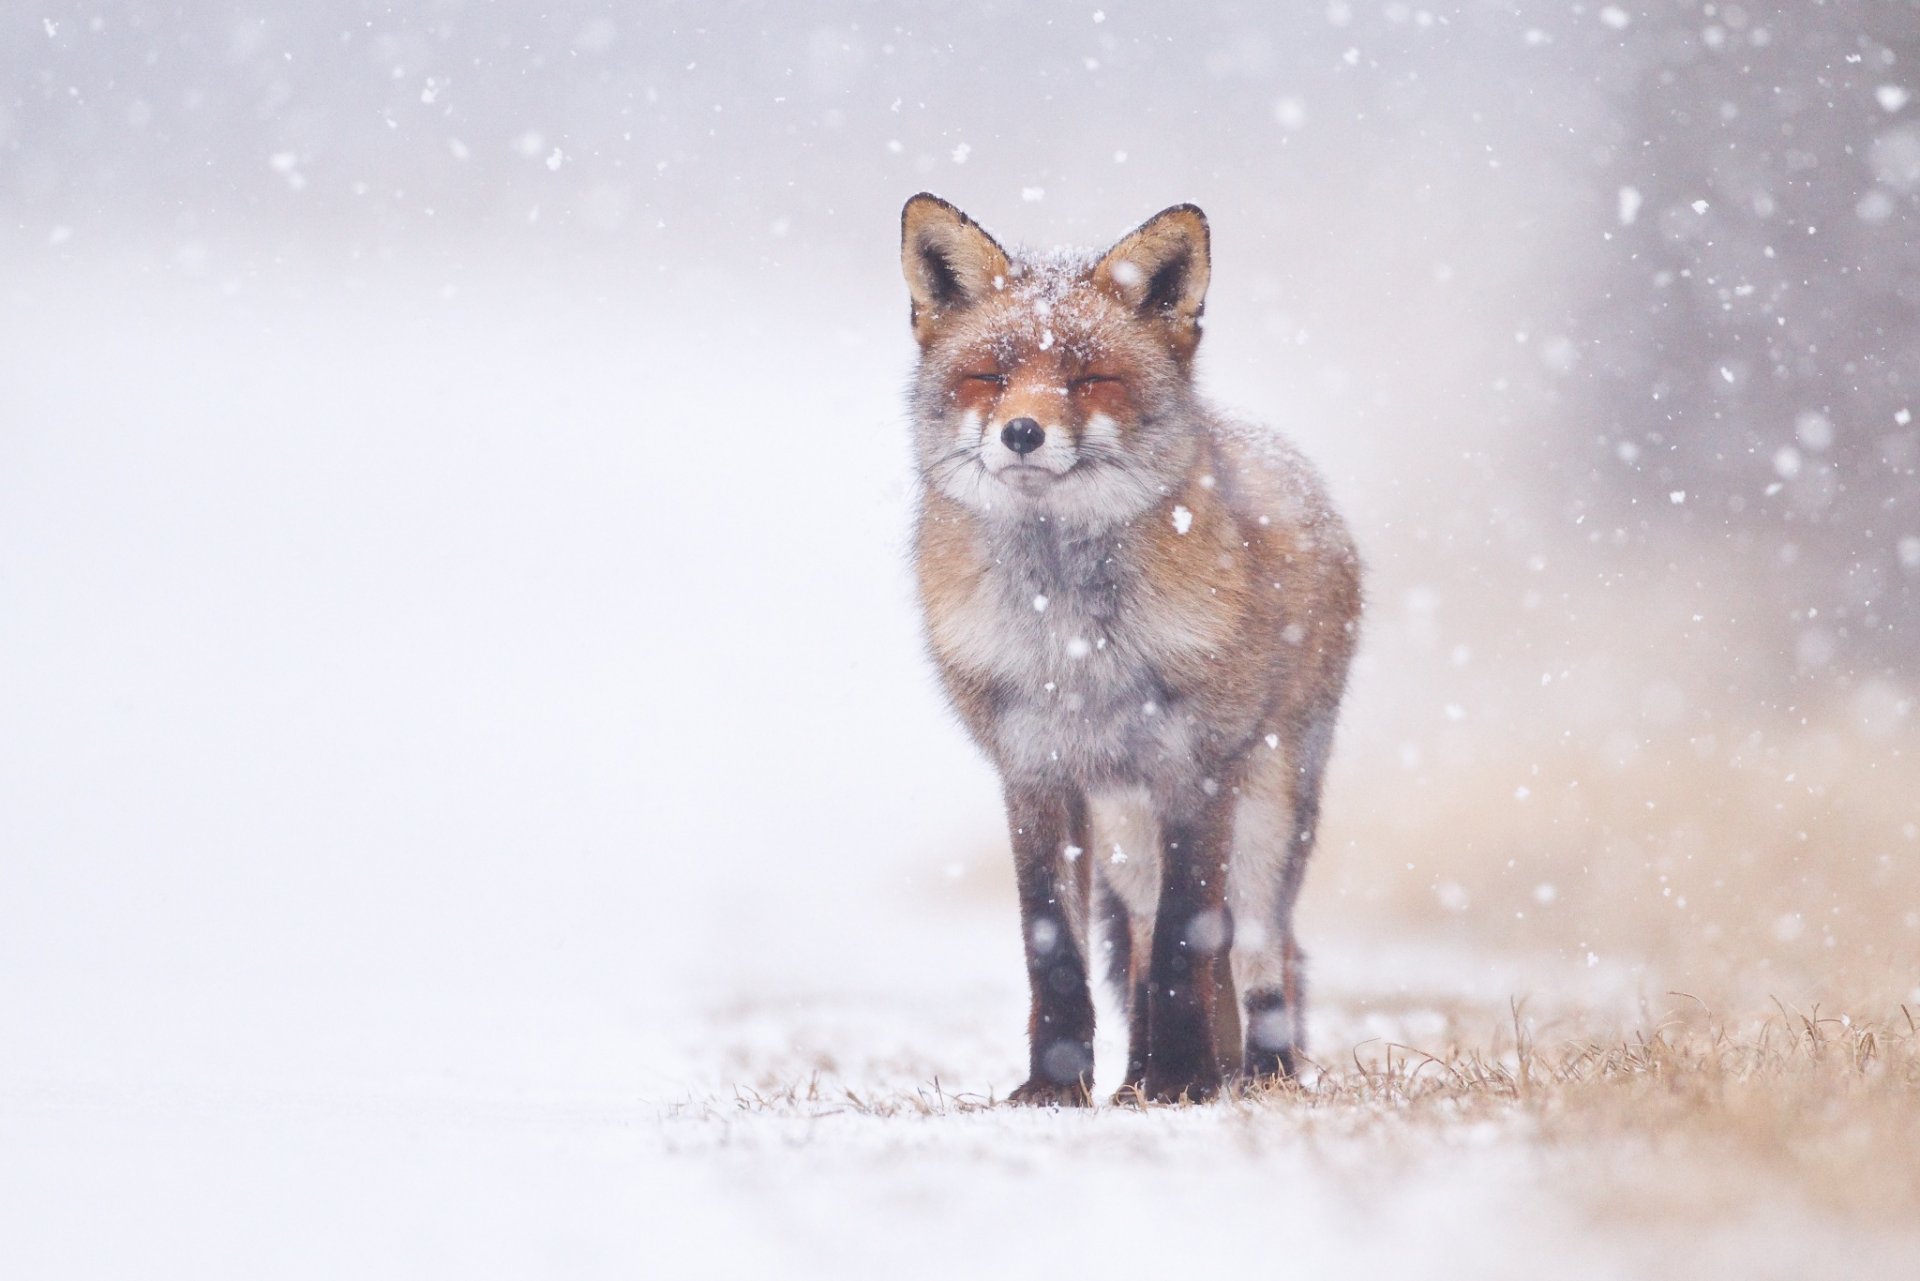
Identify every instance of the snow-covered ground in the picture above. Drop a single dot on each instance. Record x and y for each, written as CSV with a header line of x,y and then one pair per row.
x,y
473,804
837,1133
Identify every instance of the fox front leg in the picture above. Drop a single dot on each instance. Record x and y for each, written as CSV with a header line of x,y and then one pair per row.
x,y
1190,931
1050,833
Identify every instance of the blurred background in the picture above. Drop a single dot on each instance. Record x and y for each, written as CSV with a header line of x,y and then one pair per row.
x,y
454,498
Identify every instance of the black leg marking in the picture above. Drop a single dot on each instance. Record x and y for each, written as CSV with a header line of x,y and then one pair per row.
x,y
1190,927
1270,1036
1053,892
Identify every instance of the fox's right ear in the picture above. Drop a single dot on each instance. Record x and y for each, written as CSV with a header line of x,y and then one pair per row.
x,y
949,263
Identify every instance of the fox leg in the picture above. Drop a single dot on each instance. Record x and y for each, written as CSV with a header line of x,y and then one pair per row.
x,y
1262,898
1190,928
1126,841
1273,839
1226,1005
1276,1018
1127,975
1051,866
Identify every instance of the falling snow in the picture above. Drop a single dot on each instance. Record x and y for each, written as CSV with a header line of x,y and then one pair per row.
x,y
440,441
1627,201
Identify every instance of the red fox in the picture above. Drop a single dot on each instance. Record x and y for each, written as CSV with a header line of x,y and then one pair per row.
x,y
1144,614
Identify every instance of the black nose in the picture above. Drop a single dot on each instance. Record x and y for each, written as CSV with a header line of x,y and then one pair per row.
x,y
1022,436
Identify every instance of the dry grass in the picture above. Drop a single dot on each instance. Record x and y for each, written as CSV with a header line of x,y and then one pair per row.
x,y
815,1097
1695,1116
1829,1103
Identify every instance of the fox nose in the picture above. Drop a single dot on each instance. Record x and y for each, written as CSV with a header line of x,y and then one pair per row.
x,y
1022,436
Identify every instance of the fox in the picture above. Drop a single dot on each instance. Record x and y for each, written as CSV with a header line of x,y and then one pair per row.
x,y
1143,612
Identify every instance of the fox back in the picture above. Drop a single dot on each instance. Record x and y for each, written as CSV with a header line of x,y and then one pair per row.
x,y
1144,614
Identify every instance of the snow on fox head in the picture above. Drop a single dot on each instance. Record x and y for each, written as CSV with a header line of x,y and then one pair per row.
x,y
1054,385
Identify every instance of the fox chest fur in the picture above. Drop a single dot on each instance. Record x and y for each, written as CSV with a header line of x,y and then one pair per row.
x,y
1057,661
1103,660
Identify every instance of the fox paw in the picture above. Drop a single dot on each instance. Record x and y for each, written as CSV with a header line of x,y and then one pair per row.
x,y
1197,1086
1041,1093
1265,1069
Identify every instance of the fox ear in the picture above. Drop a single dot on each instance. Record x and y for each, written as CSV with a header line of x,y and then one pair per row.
x,y
949,262
1161,269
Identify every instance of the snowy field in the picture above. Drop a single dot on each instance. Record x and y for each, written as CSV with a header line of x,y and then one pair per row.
x,y
474,805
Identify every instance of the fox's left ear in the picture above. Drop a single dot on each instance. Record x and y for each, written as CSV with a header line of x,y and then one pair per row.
x,y
1161,269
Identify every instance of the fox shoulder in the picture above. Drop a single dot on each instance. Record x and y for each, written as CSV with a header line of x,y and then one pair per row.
x,y
1293,534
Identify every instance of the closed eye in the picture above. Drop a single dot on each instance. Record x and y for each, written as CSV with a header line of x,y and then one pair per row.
x,y
1088,380
998,380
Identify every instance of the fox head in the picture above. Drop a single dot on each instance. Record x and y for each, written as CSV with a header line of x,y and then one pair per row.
x,y
1054,386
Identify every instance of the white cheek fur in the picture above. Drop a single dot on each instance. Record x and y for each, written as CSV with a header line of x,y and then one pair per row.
x,y
1118,489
